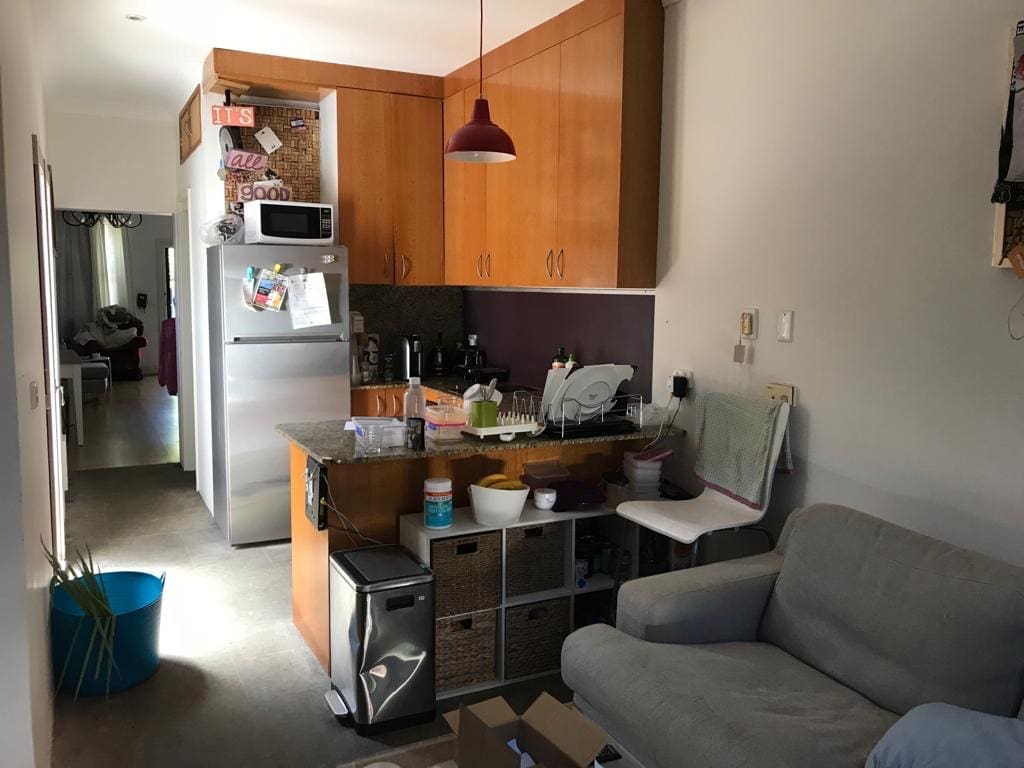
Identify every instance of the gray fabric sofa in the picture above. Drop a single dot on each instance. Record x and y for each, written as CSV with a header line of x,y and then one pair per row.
x,y
804,656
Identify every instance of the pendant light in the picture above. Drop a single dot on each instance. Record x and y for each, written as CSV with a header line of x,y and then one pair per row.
x,y
480,140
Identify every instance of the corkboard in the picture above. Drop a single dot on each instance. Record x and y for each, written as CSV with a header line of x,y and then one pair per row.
x,y
297,162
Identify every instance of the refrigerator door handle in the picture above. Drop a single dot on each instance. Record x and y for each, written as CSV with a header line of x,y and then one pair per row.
x,y
323,338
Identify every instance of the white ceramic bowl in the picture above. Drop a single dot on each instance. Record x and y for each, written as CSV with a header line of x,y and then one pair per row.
x,y
495,507
544,498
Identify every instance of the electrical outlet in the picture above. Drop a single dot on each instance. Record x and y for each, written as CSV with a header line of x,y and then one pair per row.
x,y
748,323
784,392
680,372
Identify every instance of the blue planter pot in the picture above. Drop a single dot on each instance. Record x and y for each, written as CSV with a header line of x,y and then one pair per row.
x,y
135,599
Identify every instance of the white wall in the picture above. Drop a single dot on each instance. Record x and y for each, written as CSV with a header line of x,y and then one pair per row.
x,y
836,159
113,163
26,716
197,178
144,253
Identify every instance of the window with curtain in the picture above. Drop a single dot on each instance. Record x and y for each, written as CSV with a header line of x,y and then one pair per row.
x,y
110,273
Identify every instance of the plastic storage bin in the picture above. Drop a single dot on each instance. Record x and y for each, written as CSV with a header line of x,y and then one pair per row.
x,y
135,599
444,422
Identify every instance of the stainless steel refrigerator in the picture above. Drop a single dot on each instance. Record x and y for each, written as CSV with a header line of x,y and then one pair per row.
x,y
263,372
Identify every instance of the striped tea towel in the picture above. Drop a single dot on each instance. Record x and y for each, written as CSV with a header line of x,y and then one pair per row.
x,y
734,443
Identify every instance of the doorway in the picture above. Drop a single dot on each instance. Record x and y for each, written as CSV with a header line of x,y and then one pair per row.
x,y
115,290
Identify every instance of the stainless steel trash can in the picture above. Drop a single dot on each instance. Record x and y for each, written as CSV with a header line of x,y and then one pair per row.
x,y
382,635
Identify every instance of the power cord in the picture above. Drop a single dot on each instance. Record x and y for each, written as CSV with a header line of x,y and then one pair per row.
x,y
347,525
1009,321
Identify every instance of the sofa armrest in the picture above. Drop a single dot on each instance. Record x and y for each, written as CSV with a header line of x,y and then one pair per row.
x,y
721,602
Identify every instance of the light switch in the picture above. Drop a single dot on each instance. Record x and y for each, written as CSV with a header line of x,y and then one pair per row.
x,y
786,325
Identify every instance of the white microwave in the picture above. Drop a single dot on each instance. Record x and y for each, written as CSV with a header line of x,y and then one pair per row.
x,y
272,222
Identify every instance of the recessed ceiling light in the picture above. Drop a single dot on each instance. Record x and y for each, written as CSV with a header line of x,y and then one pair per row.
x,y
135,17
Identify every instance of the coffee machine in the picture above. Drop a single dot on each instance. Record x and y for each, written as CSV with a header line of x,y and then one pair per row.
x,y
411,359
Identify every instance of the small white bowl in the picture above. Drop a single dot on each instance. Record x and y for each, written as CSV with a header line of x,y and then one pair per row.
x,y
495,507
544,498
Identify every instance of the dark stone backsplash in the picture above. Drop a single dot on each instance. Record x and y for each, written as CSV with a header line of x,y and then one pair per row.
x,y
395,311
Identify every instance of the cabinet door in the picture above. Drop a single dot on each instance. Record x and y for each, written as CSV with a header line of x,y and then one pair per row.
x,y
589,153
533,176
501,214
395,402
369,402
464,202
365,220
416,184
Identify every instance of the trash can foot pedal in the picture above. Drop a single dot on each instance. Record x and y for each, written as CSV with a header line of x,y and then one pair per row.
x,y
336,704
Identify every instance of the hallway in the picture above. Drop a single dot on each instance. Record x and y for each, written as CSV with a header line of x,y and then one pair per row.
x,y
134,423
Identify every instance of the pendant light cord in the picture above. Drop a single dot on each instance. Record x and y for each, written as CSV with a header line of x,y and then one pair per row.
x,y
481,49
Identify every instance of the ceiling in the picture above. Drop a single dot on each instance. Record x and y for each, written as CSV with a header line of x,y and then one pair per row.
x,y
94,60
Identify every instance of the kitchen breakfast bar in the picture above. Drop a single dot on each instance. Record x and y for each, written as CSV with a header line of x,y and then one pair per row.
x,y
374,490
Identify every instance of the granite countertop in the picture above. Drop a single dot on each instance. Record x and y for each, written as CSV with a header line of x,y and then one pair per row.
x,y
451,384
329,443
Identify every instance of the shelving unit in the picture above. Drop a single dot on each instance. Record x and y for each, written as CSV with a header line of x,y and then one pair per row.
x,y
416,537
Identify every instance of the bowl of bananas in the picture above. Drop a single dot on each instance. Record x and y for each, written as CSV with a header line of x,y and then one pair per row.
x,y
497,500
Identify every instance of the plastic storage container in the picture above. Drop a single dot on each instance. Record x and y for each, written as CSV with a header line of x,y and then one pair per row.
x,y
135,599
437,503
445,422
542,474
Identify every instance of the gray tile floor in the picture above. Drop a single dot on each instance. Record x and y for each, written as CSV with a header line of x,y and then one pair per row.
x,y
135,422
237,685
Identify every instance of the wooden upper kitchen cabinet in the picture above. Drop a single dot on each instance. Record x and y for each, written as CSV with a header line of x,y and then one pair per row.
x,y
390,187
465,190
581,97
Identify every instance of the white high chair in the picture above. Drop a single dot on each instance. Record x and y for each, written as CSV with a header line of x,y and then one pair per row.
x,y
686,521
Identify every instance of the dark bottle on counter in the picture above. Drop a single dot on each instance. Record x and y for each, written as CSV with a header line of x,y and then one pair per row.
x,y
415,409
560,359
439,358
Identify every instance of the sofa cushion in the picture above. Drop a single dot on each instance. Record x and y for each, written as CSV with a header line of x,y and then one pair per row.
x,y
944,736
902,618
720,705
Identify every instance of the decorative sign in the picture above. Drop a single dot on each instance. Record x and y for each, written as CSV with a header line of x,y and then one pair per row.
x,y
240,160
258,191
241,116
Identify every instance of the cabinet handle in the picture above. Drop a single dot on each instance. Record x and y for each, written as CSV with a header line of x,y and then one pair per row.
x,y
479,265
488,265
560,263
405,266
380,405
548,262
387,268
398,406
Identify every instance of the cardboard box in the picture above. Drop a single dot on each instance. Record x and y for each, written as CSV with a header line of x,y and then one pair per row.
x,y
552,734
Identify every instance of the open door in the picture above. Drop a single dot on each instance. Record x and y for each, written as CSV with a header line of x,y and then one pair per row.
x,y
54,393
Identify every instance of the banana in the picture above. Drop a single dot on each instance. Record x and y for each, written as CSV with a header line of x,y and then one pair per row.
x,y
489,480
509,485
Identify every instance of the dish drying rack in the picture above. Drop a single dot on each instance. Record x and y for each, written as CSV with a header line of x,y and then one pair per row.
x,y
520,418
622,414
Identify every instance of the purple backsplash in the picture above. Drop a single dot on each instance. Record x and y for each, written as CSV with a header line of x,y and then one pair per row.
x,y
522,330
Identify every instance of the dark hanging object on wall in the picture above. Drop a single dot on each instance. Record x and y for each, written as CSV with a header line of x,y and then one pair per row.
x,y
92,218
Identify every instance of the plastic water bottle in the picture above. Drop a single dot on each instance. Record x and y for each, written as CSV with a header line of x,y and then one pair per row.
x,y
415,409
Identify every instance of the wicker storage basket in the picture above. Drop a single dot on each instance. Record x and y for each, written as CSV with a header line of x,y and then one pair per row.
x,y
467,573
534,635
534,558
465,649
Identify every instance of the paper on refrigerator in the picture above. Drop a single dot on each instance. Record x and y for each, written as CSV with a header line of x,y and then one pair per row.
x,y
307,300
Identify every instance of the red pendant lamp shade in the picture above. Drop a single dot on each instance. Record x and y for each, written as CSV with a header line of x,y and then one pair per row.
x,y
480,140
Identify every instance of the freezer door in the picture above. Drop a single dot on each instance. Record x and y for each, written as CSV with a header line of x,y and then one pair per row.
x,y
228,266
269,384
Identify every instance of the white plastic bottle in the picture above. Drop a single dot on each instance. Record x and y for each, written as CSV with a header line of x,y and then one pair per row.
x,y
415,409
